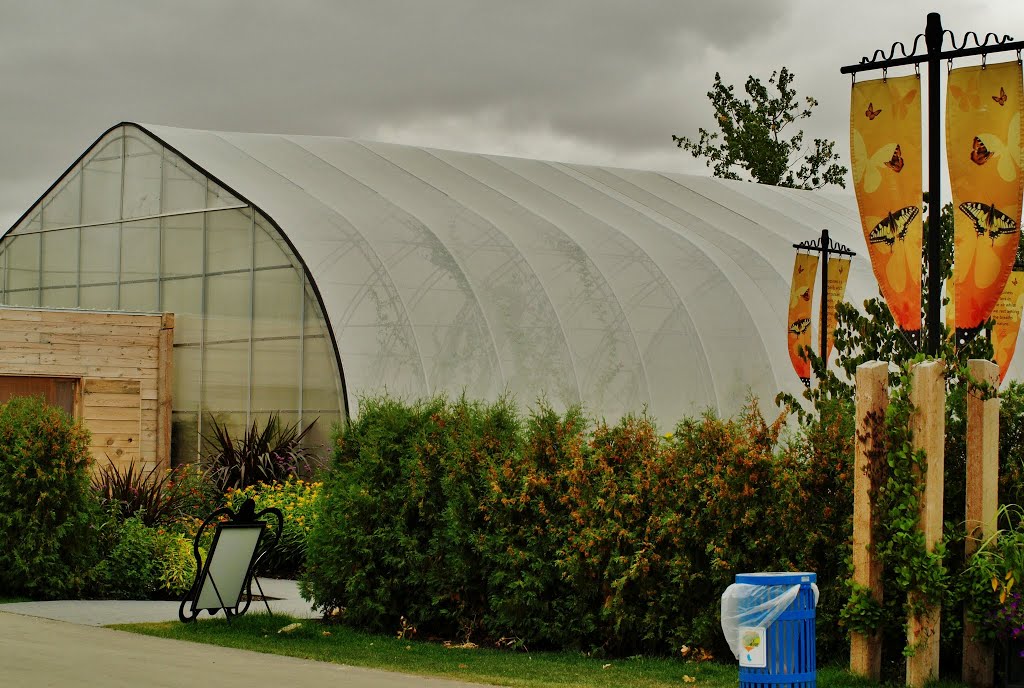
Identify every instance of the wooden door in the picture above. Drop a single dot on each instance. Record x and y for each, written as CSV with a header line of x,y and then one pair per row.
x,y
57,391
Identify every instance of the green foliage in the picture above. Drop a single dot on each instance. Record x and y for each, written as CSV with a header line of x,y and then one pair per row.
x,y
47,512
750,136
142,562
175,564
296,499
457,519
153,496
260,455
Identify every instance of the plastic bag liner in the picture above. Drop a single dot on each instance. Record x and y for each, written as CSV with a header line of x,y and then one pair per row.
x,y
745,605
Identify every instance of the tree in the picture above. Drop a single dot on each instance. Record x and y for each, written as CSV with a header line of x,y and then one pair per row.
x,y
750,137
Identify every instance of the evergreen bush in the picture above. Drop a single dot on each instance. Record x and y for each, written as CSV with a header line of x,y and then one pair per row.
x,y
47,511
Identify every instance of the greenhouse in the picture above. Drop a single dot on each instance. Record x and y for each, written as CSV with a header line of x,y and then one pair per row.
x,y
307,272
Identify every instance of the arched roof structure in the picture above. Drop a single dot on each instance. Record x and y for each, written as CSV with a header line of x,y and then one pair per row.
x,y
618,289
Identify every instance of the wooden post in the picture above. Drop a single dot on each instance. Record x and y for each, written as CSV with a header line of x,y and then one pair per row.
x,y
928,424
982,502
164,386
872,401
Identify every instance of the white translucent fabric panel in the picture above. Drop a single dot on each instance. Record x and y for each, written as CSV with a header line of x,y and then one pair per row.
x,y
184,437
319,379
25,297
60,258
375,336
518,320
31,223
101,181
23,262
219,197
720,280
142,169
608,366
62,207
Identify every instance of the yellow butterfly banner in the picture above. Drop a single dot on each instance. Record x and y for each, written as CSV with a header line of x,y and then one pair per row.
x,y
885,152
801,295
838,272
1006,316
983,149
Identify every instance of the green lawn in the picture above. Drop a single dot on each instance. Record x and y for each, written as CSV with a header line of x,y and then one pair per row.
x,y
341,645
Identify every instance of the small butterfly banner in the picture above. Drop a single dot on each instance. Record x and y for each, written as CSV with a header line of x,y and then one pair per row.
x,y
801,297
1006,317
838,273
983,149
885,152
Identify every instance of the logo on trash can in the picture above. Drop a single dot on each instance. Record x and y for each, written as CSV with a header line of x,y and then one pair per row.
x,y
752,647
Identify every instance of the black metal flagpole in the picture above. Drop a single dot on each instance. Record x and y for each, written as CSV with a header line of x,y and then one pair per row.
x,y
933,37
824,246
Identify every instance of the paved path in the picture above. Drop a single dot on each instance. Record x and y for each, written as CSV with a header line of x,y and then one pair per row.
x,y
59,644
40,653
107,612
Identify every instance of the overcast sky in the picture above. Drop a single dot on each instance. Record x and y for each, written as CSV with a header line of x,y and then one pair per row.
x,y
595,81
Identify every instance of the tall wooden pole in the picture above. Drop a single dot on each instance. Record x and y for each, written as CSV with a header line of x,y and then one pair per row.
x,y
982,502
872,401
928,425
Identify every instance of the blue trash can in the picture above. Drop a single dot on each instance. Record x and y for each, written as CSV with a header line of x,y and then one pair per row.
x,y
789,643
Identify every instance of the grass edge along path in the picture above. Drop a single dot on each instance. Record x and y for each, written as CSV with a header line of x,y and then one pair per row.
x,y
341,645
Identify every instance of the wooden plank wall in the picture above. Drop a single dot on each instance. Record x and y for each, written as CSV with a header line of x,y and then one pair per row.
x,y
122,365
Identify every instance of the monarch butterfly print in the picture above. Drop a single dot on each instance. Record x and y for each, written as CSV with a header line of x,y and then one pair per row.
x,y
871,112
1001,98
988,220
979,153
800,326
896,163
894,226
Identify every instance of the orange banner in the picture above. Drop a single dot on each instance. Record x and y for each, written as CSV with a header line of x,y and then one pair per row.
x,y
983,148
1006,315
885,152
801,294
838,272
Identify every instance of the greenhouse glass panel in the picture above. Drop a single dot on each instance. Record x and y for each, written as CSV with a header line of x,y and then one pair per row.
x,y
319,377
228,240
98,298
140,296
218,197
23,262
187,375
277,304
228,317
101,254
275,369
140,250
184,298
63,206
184,437
270,250
184,188
182,243
60,258
101,185
142,170
27,298
60,297
226,378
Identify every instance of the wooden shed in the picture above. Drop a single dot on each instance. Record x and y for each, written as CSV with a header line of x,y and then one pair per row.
x,y
112,371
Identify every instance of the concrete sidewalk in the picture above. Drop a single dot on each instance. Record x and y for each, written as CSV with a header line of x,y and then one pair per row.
x,y
38,653
107,612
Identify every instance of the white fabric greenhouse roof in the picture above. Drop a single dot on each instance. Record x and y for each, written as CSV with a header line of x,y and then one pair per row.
x,y
617,288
